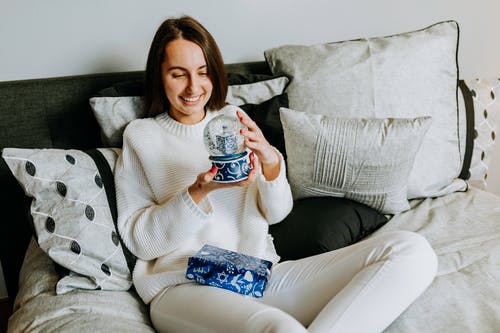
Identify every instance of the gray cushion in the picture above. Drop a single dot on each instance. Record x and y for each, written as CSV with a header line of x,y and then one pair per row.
x,y
365,160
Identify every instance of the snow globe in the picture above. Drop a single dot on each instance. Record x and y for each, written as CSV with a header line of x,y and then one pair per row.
x,y
226,147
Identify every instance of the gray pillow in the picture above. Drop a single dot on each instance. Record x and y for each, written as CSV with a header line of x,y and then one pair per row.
x,y
407,75
71,215
364,160
256,92
113,114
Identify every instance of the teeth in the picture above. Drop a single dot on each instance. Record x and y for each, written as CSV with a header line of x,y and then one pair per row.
x,y
192,99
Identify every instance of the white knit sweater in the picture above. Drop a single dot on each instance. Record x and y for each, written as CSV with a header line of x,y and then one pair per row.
x,y
163,226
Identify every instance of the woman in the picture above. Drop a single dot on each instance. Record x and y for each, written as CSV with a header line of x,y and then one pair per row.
x,y
169,207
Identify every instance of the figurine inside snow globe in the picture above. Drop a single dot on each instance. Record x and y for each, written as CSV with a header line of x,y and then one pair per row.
x,y
226,147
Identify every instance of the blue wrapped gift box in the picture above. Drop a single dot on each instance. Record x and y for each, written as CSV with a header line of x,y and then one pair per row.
x,y
229,270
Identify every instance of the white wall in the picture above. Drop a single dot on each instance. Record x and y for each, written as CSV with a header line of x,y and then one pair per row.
x,y
60,37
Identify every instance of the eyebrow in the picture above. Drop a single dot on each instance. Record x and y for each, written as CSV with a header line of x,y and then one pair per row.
x,y
185,69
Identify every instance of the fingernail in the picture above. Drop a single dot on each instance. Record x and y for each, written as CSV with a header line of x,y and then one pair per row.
x,y
213,169
242,131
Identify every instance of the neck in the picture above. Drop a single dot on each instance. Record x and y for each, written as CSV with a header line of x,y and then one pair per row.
x,y
187,119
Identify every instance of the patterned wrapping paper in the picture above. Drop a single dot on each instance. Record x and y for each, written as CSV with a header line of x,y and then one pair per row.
x,y
229,270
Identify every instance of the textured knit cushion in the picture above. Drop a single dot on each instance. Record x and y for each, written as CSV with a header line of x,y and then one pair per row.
x,y
365,160
401,76
116,106
71,215
322,224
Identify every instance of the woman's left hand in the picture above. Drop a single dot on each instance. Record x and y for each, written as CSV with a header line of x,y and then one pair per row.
x,y
256,142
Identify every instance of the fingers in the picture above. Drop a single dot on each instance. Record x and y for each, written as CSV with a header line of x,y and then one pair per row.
x,y
251,136
206,177
256,142
252,175
254,138
200,188
254,164
209,176
248,122
204,182
254,170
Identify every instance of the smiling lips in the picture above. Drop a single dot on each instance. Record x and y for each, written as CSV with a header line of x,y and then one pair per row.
x,y
191,99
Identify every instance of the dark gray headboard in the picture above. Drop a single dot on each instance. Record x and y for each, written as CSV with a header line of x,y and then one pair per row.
x,y
50,113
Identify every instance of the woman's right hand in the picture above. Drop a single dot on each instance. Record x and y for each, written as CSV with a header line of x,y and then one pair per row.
x,y
204,182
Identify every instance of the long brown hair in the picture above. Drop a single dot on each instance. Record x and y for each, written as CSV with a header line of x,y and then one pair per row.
x,y
155,100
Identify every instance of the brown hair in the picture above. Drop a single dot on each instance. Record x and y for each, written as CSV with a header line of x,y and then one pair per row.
x,y
155,100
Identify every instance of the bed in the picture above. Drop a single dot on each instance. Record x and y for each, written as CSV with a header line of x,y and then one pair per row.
x,y
460,219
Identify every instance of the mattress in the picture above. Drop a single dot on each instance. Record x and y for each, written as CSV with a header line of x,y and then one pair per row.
x,y
463,228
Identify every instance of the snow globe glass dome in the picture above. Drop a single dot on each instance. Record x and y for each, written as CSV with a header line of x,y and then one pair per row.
x,y
226,147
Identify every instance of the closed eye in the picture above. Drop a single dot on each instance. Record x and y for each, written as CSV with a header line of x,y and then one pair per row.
x,y
178,75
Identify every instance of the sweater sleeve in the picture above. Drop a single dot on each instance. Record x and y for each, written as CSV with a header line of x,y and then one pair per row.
x,y
149,228
275,197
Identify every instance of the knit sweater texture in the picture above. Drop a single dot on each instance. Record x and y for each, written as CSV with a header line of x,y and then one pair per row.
x,y
161,224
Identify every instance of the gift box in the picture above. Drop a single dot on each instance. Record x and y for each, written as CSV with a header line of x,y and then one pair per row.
x,y
229,270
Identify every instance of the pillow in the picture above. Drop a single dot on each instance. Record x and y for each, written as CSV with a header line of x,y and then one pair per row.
x,y
114,108
408,75
322,224
71,214
481,108
253,88
113,114
365,160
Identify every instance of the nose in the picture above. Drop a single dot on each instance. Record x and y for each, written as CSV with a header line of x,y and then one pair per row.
x,y
193,84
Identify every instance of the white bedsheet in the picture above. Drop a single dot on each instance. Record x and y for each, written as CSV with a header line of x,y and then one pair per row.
x,y
463,228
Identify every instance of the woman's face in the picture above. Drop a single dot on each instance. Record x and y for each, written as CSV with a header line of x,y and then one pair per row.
x,y
186,81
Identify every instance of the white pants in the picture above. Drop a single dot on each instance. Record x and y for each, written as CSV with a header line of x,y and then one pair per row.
x,y
359,288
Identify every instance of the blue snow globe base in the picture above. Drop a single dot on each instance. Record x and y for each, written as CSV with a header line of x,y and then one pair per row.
x,y
231,168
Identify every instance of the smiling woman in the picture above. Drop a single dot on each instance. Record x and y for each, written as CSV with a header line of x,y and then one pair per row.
x,y
169,207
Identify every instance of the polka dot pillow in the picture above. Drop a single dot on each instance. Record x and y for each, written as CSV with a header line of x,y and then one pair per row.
x,y
485,107
71,215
